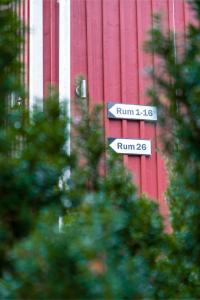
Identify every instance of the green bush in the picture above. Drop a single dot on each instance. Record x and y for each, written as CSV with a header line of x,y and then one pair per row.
x,y
112,243
176,93
32,154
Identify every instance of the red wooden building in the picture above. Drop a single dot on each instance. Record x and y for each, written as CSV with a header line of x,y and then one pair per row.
x,y
103,41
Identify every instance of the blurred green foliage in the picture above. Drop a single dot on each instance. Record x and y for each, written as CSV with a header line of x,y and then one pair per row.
x,y
112,243
32,150
11,40
176,93
111,238
32,159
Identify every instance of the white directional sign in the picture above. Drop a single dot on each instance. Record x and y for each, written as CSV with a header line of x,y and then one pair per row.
x,y
131,112
130,146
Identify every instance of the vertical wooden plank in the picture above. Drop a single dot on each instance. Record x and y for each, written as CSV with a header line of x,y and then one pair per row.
x,y
78,50
161,6
123,75
51,43
129,76
55,42
26,47
46,45
179,27
111,54
179,17
94,13
107,47
78,38
95,51
19,9
144,22
150,127
21,16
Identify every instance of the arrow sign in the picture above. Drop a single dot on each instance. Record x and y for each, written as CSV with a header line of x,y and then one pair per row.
x,y
130,146
131,112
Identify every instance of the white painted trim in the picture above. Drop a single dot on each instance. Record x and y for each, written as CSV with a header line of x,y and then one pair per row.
x,y
36,54
64,55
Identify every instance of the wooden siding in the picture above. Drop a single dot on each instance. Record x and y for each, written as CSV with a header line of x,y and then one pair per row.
x,y
107,38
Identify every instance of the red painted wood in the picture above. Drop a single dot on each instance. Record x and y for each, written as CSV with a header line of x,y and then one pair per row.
x,y
124,40
147,131
107,39
95,51
162,8
130,79
50,44
46,46
124,90
79,50
111,56
26,49
179,16
107,47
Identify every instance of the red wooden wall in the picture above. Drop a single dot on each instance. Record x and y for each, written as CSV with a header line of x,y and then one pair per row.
x,y
50,43
107,38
